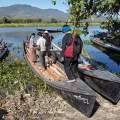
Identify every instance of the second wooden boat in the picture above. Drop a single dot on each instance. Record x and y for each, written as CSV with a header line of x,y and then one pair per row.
x,y
107,46
103,81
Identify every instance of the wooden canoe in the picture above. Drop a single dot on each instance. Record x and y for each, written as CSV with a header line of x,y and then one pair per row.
x,y
102,81
78,94
107,46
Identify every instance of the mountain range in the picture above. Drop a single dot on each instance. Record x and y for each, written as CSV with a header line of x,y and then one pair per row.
x,y
27,11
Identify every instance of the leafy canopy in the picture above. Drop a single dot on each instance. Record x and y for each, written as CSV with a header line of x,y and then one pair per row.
x,y
81,9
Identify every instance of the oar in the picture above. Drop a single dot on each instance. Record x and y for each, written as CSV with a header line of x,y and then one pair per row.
x,y
57,47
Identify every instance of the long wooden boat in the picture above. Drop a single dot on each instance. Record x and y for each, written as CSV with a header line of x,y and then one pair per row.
x,y
3,52
50,31
78,94
104,82
107,46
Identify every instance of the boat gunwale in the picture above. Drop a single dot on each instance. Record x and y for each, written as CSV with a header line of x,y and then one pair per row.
x,y
112,48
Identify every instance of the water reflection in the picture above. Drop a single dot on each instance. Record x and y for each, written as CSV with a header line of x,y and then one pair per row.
x,y
113,55
100,56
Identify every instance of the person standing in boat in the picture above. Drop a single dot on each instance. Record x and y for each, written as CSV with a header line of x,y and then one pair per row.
x,y
41,46
32,47
48,38
71,49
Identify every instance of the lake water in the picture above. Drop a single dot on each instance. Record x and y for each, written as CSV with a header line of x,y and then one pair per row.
x,y
15,36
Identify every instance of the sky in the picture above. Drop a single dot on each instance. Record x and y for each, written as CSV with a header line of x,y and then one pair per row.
x,y
43,4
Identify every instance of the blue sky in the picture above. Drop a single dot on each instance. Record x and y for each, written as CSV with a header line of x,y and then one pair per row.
x,y
43,4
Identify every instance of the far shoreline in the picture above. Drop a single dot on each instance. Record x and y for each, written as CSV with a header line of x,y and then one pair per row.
x,y
41,24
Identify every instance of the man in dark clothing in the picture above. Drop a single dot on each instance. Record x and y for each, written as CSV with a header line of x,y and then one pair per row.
x,y
71,63
48,38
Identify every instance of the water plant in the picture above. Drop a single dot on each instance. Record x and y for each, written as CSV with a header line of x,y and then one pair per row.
x,y
16,75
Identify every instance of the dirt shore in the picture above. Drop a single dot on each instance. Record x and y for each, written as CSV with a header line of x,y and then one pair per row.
x,y
51,107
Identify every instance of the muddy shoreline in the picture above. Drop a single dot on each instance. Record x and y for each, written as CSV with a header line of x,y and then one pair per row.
x,y
45,106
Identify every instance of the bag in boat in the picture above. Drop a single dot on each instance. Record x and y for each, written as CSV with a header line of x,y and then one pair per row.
x,y
69,49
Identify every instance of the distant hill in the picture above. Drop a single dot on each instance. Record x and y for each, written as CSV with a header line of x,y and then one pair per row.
x,y
27,11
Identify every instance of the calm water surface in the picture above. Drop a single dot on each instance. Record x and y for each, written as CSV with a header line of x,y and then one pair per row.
x,y
15,36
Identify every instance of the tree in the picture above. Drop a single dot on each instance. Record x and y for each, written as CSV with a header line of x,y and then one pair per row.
x,y
53,20
81,9
6,20
110,9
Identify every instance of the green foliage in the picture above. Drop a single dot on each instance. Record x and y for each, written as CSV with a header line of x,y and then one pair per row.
x,y
15,75
78,11
19,20
111,25
53,20
87,42
54,2
109,7
6,20
85,53
81,9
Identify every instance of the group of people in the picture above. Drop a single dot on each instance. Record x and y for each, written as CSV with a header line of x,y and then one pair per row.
x,y
71,50
40,47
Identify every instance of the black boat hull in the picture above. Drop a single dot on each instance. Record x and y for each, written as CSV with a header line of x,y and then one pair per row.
x,y
111,48
108,89
85,104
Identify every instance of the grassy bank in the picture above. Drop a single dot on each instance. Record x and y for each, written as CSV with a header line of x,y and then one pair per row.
x,y
41,24
32,25
16,75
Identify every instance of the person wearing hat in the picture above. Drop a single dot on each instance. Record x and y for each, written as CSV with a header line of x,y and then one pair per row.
x,y
48,39
47,36
42,49
71,58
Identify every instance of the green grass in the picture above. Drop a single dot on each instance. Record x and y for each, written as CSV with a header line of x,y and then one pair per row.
x,y
41,24
87,42
85,53
16,75
32,25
